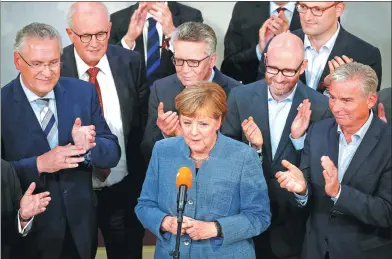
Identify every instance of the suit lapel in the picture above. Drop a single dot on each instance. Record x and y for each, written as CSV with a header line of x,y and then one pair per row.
x,y
218,78
333,144
22,109
339,49
367,145
260,101
64,118
299,96
295,21
69,68
119,71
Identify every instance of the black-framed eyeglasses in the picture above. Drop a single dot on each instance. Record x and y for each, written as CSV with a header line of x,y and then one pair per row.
x,y
316,11
86,38
191,62
40,66
285,72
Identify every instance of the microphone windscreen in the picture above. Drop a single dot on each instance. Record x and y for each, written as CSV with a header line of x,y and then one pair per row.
x,y
184,176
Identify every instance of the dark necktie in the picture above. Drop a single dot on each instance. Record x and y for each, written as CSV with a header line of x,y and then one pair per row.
x,y
153,50
100,173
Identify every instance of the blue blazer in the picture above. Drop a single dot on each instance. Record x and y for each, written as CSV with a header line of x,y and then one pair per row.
x,y
229,187
22,140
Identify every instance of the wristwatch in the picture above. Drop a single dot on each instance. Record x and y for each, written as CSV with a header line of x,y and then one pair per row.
x,y
218,228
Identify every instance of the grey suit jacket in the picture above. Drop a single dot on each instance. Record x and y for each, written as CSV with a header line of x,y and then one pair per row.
x,y
165,90
288,223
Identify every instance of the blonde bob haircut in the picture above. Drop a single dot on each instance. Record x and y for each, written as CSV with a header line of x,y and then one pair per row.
x,y
202,99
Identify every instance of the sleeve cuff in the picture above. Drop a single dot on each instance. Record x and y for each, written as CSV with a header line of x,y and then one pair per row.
x,y
302,199
27,228
299,142
125,45
335,199
258,52
164,135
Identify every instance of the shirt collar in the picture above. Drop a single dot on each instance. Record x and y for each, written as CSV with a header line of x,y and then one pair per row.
x,y
150,16
328,45
212,76
82,67
362,131
31,97
288,98
290,6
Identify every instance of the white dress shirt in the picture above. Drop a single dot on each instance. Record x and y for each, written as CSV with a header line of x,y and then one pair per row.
x,y
317,59
112,114
277,115
26,228
145,36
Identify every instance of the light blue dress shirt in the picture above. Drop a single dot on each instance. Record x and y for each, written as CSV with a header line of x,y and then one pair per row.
x,y
346,154
32,97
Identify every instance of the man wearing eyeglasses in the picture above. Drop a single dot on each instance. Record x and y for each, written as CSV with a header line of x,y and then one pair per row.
x,y
272,115
328,45
194,59
119,78
42,136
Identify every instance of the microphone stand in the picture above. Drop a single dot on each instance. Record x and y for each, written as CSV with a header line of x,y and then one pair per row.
x,y
181,199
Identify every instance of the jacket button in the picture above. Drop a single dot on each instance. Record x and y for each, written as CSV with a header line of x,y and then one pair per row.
x,y
190,202
186,242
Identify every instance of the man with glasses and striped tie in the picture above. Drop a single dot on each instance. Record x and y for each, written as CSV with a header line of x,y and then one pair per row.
x,y
53,133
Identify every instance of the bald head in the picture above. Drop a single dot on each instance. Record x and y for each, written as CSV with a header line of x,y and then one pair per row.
x,y
87,9
287,43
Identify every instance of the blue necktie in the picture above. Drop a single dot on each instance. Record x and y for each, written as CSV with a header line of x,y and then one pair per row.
x,y
48,123
153,53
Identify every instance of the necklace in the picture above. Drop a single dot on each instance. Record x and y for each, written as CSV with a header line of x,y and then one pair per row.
x,y
199,159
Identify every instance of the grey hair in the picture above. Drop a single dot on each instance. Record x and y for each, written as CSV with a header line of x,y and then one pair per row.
x,y
36,30
72,11
195,32
357,71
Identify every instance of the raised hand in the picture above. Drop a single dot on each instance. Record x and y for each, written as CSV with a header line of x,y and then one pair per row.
x,y
167,122
279,23
302,120
292,180
161,13
334,64
136,25
381,112
330,174
252,132
265,35
83,136
32,205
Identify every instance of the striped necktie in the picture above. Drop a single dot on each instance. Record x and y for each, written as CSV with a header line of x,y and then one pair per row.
x,y
153,50
48,121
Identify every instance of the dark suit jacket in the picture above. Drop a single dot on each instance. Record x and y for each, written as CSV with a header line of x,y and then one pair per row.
x,y
240,59
358,224
345,44
70,189
133,92
165,90
180,13
288,223
11,193
384,97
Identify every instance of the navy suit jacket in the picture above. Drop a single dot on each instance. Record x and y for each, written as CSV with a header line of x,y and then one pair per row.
x,y
70,189
132,91
359,224
165,90
345,44
288,223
